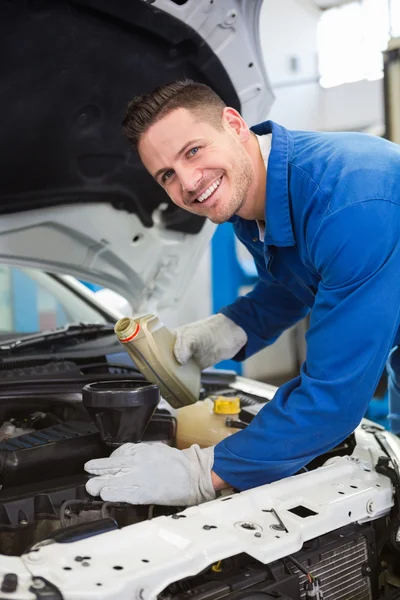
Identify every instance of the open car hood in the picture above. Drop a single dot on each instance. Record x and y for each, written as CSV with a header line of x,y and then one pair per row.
x,y
75,198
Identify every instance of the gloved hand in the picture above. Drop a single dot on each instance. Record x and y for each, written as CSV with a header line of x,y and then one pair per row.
x,y
153,474
209,341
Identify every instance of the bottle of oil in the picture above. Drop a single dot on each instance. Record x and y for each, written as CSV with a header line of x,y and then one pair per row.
x,y
204,423
150,344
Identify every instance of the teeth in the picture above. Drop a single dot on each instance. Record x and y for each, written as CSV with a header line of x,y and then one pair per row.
x,y
209,191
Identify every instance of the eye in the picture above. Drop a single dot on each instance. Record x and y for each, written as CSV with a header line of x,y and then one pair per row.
x,y
193,151
167,175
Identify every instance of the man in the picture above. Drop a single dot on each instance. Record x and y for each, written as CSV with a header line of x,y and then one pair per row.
x,y
320,213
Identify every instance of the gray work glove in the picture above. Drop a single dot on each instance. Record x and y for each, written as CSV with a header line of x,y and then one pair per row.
x,y
153,474
209,341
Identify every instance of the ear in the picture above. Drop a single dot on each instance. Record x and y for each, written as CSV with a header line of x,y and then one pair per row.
x,y
235,123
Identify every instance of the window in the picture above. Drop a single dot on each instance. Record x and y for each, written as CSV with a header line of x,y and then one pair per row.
x,y
351,39
32,301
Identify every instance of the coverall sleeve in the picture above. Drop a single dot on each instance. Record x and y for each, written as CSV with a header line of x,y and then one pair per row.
x,y
264,313
352,329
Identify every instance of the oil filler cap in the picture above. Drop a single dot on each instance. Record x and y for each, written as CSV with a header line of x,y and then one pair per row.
x,y
226,406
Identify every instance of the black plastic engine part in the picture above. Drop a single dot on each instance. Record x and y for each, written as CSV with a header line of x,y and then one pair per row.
x,y
121,409
47,453
10,583
63,449
343,560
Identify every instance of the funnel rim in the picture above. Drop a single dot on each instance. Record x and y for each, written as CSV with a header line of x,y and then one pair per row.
x,y
111,385
123,392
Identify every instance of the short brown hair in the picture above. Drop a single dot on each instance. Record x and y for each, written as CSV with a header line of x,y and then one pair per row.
x,y
144,111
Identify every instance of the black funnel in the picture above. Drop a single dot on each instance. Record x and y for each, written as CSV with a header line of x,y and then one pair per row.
x,y
121,409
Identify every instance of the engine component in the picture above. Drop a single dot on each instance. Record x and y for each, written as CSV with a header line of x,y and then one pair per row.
x,y
62,450
9,430
207,422
313,590
32,513
121,409
342,564
16,427
336,566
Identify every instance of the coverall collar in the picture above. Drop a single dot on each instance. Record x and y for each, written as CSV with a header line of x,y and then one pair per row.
x,y
279,229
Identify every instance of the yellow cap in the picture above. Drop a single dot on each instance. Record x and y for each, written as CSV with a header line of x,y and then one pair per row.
x,y
226,406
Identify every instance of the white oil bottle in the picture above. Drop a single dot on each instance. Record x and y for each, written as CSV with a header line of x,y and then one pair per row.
x,y
150,344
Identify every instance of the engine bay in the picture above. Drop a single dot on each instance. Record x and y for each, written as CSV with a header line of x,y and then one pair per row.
x,y
43,481
47,435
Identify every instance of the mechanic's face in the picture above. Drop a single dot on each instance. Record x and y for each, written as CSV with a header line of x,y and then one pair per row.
x,y
205,170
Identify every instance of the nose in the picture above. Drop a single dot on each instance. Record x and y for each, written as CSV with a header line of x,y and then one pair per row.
x,y
189,178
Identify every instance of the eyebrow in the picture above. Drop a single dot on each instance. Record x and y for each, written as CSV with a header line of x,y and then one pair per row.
x,y
181,151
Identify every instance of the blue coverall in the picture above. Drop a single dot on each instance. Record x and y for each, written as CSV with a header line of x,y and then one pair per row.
x,y
331,248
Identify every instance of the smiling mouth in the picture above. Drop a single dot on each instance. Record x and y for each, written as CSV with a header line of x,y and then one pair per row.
x,y
209,191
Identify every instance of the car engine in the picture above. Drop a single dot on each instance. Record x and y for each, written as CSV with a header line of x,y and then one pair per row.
x,y
46,436
42,454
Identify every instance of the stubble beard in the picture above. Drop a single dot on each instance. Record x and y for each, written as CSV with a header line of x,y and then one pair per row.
x,y
243,169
